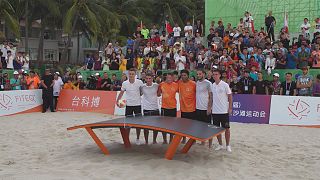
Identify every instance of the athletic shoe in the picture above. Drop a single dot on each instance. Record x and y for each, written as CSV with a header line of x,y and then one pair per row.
x,y
138,142
219,147
229,148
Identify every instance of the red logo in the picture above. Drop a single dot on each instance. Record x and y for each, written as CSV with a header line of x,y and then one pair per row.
x,y
299,109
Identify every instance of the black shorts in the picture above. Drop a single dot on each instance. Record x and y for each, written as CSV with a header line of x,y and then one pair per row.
x,y
221,120
201,115
151,112
130,110
169,112
188,115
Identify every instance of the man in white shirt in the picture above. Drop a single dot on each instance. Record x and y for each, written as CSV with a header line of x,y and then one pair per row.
x,y
9,60
150,103
180,61
57,86
132,87
248,20
203,99
176,31
305,26
187,29
221,107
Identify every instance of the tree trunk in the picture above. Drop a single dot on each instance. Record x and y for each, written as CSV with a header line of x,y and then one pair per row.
x,y
40,47
78,47
66,49
26,37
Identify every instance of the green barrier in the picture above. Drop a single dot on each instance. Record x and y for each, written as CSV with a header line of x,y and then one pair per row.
x,y
87,73
295,73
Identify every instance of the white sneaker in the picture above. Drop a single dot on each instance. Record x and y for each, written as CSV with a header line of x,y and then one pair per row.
x,y
219,147
138,142
229,148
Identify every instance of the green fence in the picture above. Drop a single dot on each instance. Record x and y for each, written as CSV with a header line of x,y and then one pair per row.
x,y
282,72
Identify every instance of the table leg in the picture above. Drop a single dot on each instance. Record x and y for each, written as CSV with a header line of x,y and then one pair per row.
x,y
187,147
173,147
125,136
98,141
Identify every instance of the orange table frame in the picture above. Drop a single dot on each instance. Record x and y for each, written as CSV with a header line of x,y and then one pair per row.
x,y
172,148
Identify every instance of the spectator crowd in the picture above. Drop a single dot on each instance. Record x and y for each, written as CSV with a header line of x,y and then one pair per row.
x,y
242,54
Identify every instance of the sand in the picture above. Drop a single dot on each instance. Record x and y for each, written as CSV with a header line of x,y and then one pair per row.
x,y
38,146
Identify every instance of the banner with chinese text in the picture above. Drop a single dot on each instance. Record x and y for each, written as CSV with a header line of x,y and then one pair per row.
x,y
87,101
250,108
295,110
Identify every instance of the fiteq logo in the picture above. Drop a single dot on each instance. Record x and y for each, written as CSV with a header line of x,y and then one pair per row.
x,y
5,102
299,109
16,101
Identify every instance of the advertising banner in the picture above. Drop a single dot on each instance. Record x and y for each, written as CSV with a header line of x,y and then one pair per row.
x,y
87,101
20,101
295,110
250,108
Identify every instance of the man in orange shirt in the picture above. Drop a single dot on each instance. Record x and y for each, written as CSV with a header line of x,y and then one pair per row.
x,y
168,90
187,94
33,81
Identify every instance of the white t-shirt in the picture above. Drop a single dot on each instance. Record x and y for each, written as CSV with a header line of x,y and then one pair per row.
x,y
220,92
132,92
26,61
57,86
176,31
202,94
180,64
247,21
187,29
10,62
150,98
303,25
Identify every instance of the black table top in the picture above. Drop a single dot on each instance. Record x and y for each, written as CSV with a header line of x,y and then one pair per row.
x,y
192,128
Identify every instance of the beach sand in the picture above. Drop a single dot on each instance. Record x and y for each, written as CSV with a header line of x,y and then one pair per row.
x,y
38,146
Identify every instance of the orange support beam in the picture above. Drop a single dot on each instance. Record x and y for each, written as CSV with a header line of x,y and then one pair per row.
x,y
187,147
98,141
173,147
125,132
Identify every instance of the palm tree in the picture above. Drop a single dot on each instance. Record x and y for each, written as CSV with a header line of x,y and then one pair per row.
x,y
178,10
7,13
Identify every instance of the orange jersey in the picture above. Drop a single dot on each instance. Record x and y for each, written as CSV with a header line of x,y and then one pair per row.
x,y
68,86
169,91
33,82
187,92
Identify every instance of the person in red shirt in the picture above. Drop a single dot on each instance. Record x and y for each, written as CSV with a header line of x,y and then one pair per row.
x,y
99,81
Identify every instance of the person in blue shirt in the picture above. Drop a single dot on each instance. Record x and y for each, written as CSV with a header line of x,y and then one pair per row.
x,y
15,81
292,59
130,43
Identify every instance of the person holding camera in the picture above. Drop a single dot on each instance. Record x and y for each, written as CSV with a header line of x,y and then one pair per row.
x,y
248,22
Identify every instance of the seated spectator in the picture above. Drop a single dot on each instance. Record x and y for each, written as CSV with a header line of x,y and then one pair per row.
x,y
79,84
106,82
303,57
69,84
316,87
115,84
315,57
32,81
15,82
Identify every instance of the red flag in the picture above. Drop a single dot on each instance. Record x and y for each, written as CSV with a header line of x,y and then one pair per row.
x,y
169,27
252,26
285,26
